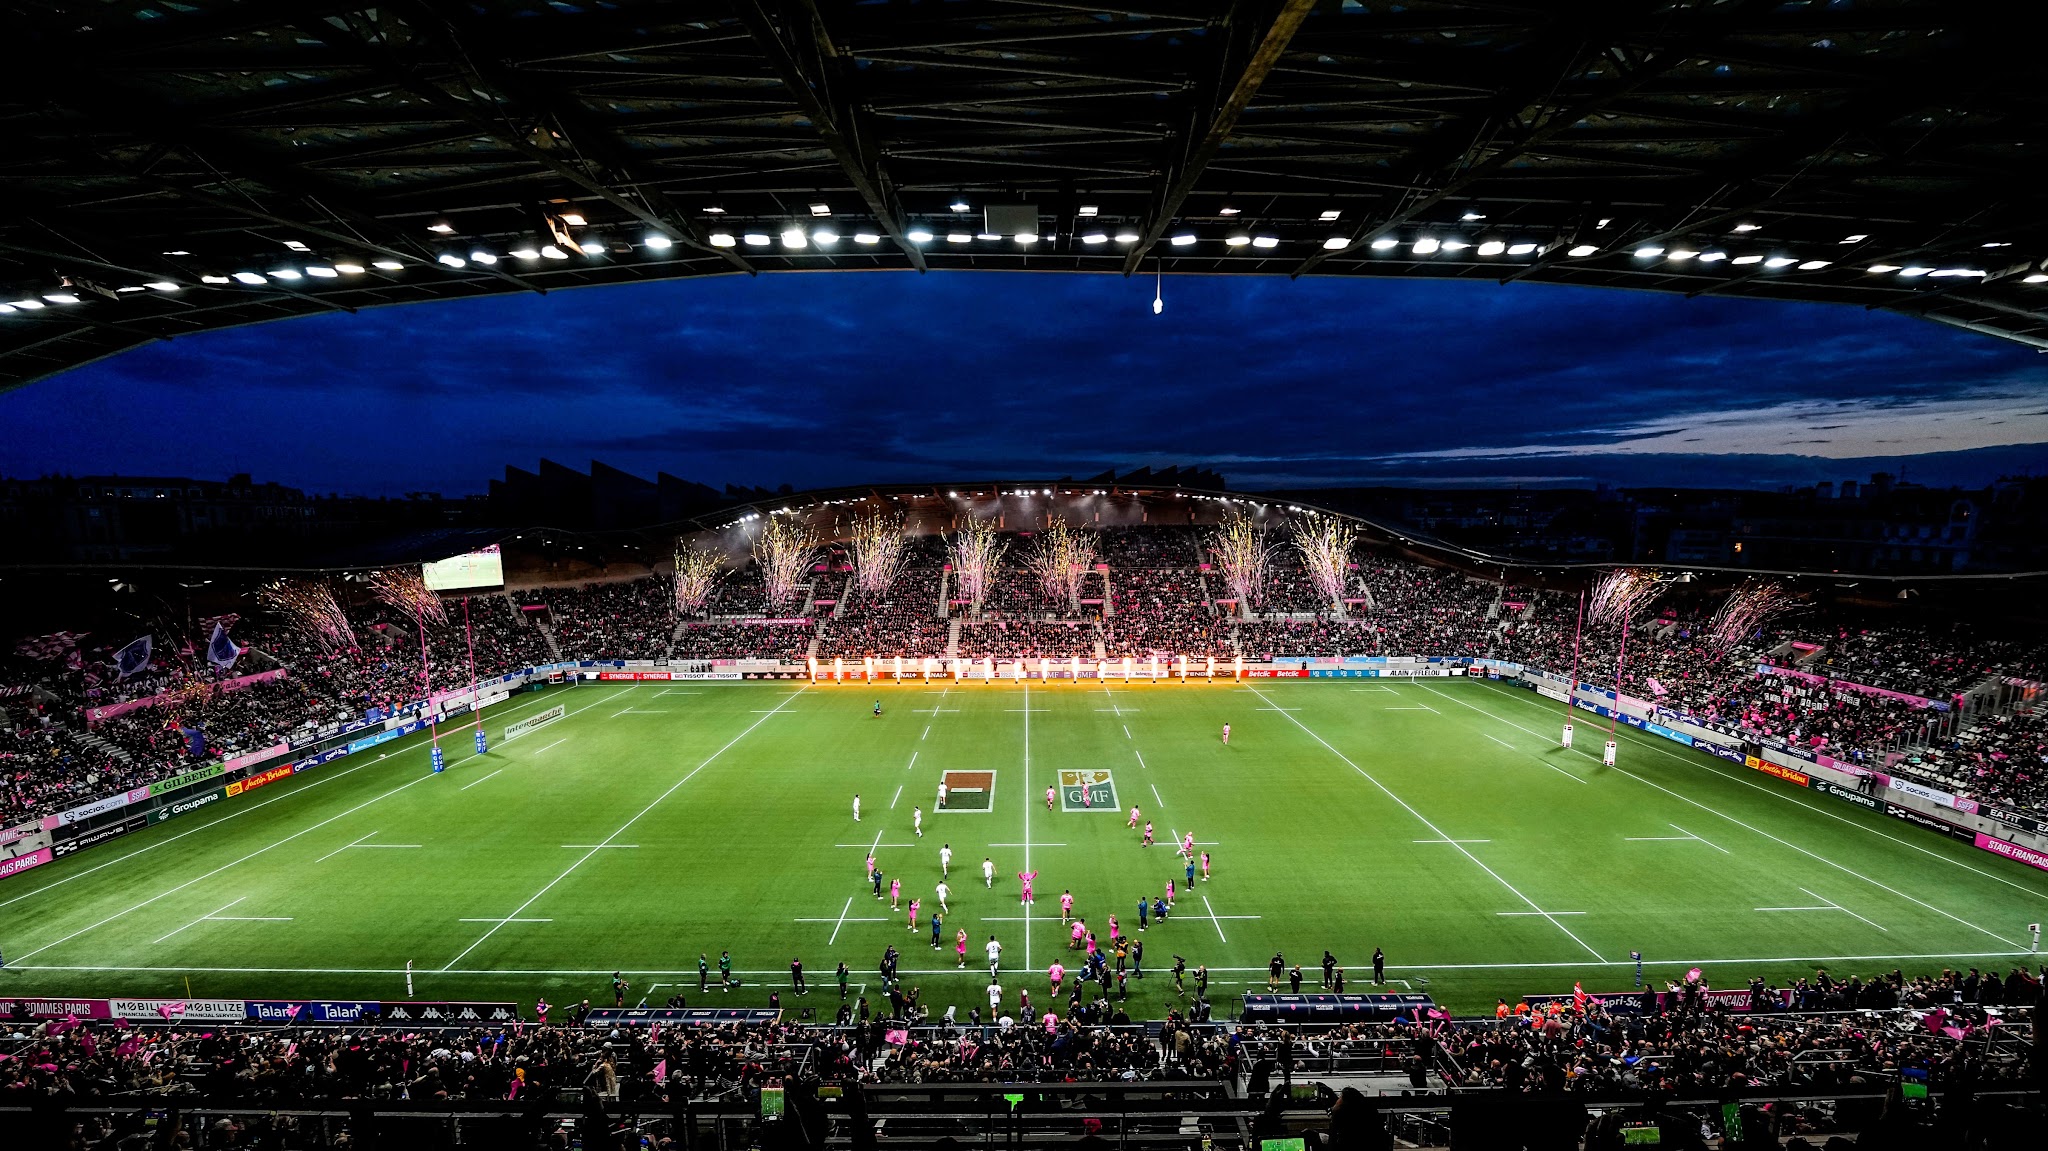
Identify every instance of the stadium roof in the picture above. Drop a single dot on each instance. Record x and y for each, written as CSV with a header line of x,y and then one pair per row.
x,y
181,165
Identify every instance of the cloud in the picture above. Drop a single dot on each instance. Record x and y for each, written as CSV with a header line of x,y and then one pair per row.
x,y
826,380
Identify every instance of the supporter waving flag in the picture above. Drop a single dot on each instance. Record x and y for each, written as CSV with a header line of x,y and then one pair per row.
x,y
221,651
133,659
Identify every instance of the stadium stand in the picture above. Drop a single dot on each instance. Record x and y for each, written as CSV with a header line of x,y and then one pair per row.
x,y
1158,605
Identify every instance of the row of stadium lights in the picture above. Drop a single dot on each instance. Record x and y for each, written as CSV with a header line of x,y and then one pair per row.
x,y
796,238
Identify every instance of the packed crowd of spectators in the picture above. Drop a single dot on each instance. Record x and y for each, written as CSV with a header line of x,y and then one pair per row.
x,y
1941,1029
1158,604
45,768
629,619
1162,611
1261,640
1028,639
790,642
904,620
1829,1031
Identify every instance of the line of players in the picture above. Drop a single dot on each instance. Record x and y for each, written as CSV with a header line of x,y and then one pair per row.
x,y
1079,937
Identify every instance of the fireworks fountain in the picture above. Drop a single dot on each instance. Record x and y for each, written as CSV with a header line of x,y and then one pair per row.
x,y
784,549
1748,608
405,590
311,607
697,575
1059,560
975,550
1617,599
879,551
1621,595
1324,544
1242,553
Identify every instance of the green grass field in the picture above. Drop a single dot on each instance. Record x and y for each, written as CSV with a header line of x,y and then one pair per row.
x,y
1436,820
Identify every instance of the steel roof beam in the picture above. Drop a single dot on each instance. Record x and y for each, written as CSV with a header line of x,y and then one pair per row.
x,y
1251,38
792,34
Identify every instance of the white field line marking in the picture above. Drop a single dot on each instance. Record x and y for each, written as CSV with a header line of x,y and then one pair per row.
x,y
1440,834
1455,841
592,853
474,782
1844,910
249,919
912,763
1112,708
231,863
841,923
1034,843
1656,839
1127,730
897,796
504,921
232,814
1775,839
1290,709
927,732
874,845
1388,690
1544,914
1141,757
1743,961
600,846
673,691
1824,907
1027,818
1217,920
339,850
1561,771
1503,743
1155,796
1709,764
200,920
1411,707
554,745
1690,835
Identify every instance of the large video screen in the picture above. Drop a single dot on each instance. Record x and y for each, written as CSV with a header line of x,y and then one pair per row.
x,y
484,568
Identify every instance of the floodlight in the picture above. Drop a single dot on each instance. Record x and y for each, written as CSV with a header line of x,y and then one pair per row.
x,y
658,242
1425,246
1336,242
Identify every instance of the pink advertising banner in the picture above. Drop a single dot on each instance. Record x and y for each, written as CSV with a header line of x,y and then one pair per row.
x,y
2013,851
1845,685
20,863
94,715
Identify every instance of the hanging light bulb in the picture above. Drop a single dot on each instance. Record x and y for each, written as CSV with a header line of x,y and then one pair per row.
x,y
1159,290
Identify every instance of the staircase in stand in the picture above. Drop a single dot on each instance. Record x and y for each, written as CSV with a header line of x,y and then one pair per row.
x,y
104,747
952,640
547,636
